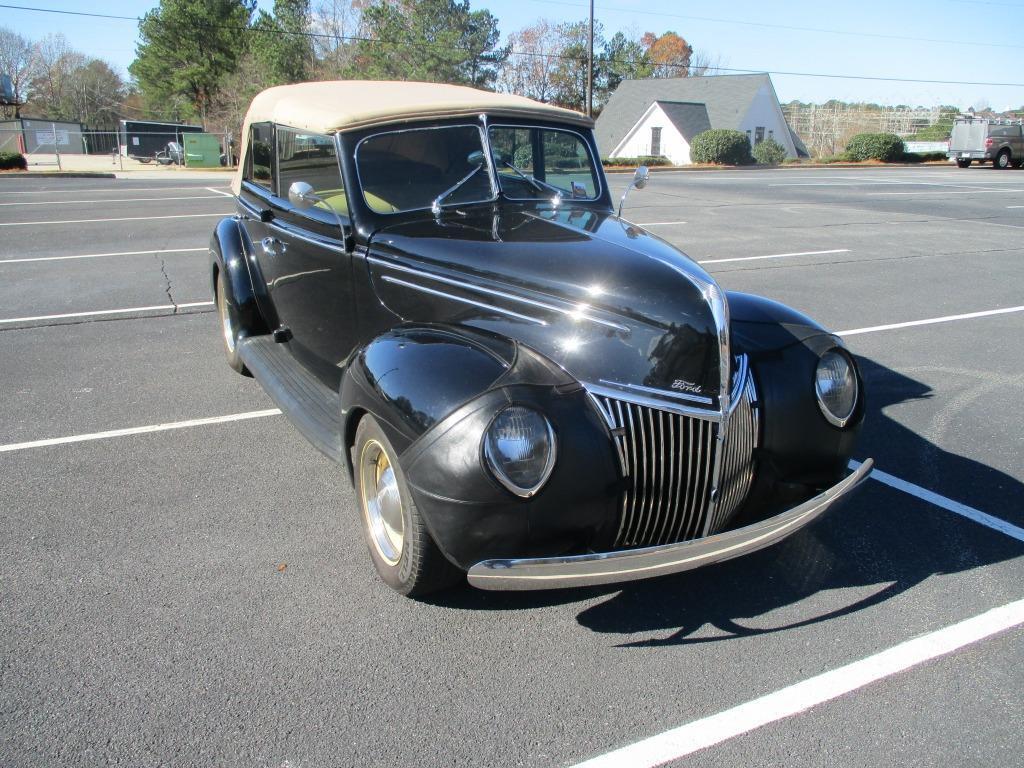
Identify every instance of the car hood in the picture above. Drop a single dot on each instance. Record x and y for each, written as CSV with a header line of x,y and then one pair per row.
x,y
609,302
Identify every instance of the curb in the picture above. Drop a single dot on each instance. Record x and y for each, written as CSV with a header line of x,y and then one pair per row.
x,y
58,175
787,167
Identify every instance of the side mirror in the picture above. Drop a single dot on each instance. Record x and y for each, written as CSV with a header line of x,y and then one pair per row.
x,y
642,175
640,178
301,195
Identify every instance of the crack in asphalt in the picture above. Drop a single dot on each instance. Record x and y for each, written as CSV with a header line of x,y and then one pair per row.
x,y
167,281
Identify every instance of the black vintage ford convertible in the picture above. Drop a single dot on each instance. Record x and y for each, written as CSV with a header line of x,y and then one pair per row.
x,y
433,284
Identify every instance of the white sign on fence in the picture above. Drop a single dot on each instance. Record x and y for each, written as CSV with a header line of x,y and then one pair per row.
x,y
923,147
45,138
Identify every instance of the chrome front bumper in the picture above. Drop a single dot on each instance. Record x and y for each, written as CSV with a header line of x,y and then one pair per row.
x,y
633,564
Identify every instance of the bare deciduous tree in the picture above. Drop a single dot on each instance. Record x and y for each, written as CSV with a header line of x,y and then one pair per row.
x,y
16,57
335,22
533,61
703,63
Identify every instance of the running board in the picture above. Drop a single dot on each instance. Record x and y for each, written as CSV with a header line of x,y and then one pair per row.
x,y
313,408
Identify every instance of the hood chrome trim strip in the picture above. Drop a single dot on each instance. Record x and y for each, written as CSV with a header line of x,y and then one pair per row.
x,y
464,300
571,313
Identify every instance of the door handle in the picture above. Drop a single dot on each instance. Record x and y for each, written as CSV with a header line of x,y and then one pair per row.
x,y
272,246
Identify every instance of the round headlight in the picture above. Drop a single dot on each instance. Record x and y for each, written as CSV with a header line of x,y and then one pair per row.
x,y
519,446
835,383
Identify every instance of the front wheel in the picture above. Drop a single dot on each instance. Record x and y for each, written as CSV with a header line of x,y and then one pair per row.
x,y
1002,161
401,548
963,163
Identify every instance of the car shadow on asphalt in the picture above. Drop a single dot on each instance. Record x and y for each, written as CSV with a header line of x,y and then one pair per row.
x,y
882,541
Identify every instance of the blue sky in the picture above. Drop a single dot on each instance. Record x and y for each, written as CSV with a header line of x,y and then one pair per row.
x,y
987,43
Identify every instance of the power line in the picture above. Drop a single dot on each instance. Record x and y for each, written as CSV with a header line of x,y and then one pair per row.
x,y
788,27
377,41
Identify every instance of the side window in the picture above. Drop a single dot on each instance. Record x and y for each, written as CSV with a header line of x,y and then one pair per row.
x,y
308,157
259,163
312,158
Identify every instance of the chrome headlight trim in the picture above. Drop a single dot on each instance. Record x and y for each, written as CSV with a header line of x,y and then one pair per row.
x,y
837,420
495,467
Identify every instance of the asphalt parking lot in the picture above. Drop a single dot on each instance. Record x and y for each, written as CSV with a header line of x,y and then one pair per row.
x,y
201,595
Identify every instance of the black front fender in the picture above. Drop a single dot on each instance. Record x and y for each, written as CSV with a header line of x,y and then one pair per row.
x,y
800,450
434,390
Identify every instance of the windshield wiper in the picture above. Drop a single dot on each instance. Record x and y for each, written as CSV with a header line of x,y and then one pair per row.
x,y
534,182
435,207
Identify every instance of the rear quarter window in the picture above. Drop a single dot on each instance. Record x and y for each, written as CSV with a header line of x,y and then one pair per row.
x,y
259,164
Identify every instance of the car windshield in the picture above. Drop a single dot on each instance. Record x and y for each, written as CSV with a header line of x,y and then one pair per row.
x,y
409,170
537,163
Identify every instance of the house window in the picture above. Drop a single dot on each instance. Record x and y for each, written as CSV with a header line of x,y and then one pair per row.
x,y
748,134
655,142
759,134
771,135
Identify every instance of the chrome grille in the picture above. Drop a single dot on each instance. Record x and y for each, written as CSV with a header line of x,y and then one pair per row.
x,y
668,460
736,474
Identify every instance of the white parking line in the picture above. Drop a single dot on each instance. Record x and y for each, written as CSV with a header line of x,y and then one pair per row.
x,y
95,313
98,255
961,192
1015,206
138,430
982,518
114,200
73,191
802,696
124,218
773,256
226,194
929,321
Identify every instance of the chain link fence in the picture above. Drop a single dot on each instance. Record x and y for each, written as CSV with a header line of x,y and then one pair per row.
x,y
70,147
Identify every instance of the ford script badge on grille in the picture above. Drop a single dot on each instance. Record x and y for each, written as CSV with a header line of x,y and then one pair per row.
x,y
680,385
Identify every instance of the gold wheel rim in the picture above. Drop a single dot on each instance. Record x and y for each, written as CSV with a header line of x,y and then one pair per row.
x,y
227,329
381,502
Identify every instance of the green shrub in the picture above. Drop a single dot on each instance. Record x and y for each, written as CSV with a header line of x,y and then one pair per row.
x,y
887,147
614,162
769,152
11,161
842,157
721,147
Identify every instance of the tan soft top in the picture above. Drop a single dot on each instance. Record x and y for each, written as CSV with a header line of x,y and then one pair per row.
x,y
347,105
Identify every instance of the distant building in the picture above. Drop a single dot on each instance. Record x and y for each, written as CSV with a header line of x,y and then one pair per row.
x,y
144,138
29,135
660,116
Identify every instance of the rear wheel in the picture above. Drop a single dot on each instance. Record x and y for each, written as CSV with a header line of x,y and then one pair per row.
x,y
401,549
1002,160
228,316
963,163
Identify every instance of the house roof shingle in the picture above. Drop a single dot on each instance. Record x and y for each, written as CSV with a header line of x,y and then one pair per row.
x,y
688,118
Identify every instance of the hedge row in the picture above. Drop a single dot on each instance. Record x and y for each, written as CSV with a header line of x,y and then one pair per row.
x,y
613,162
13,161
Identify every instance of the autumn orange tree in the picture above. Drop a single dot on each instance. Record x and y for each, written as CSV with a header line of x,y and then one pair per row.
x,y
669,54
